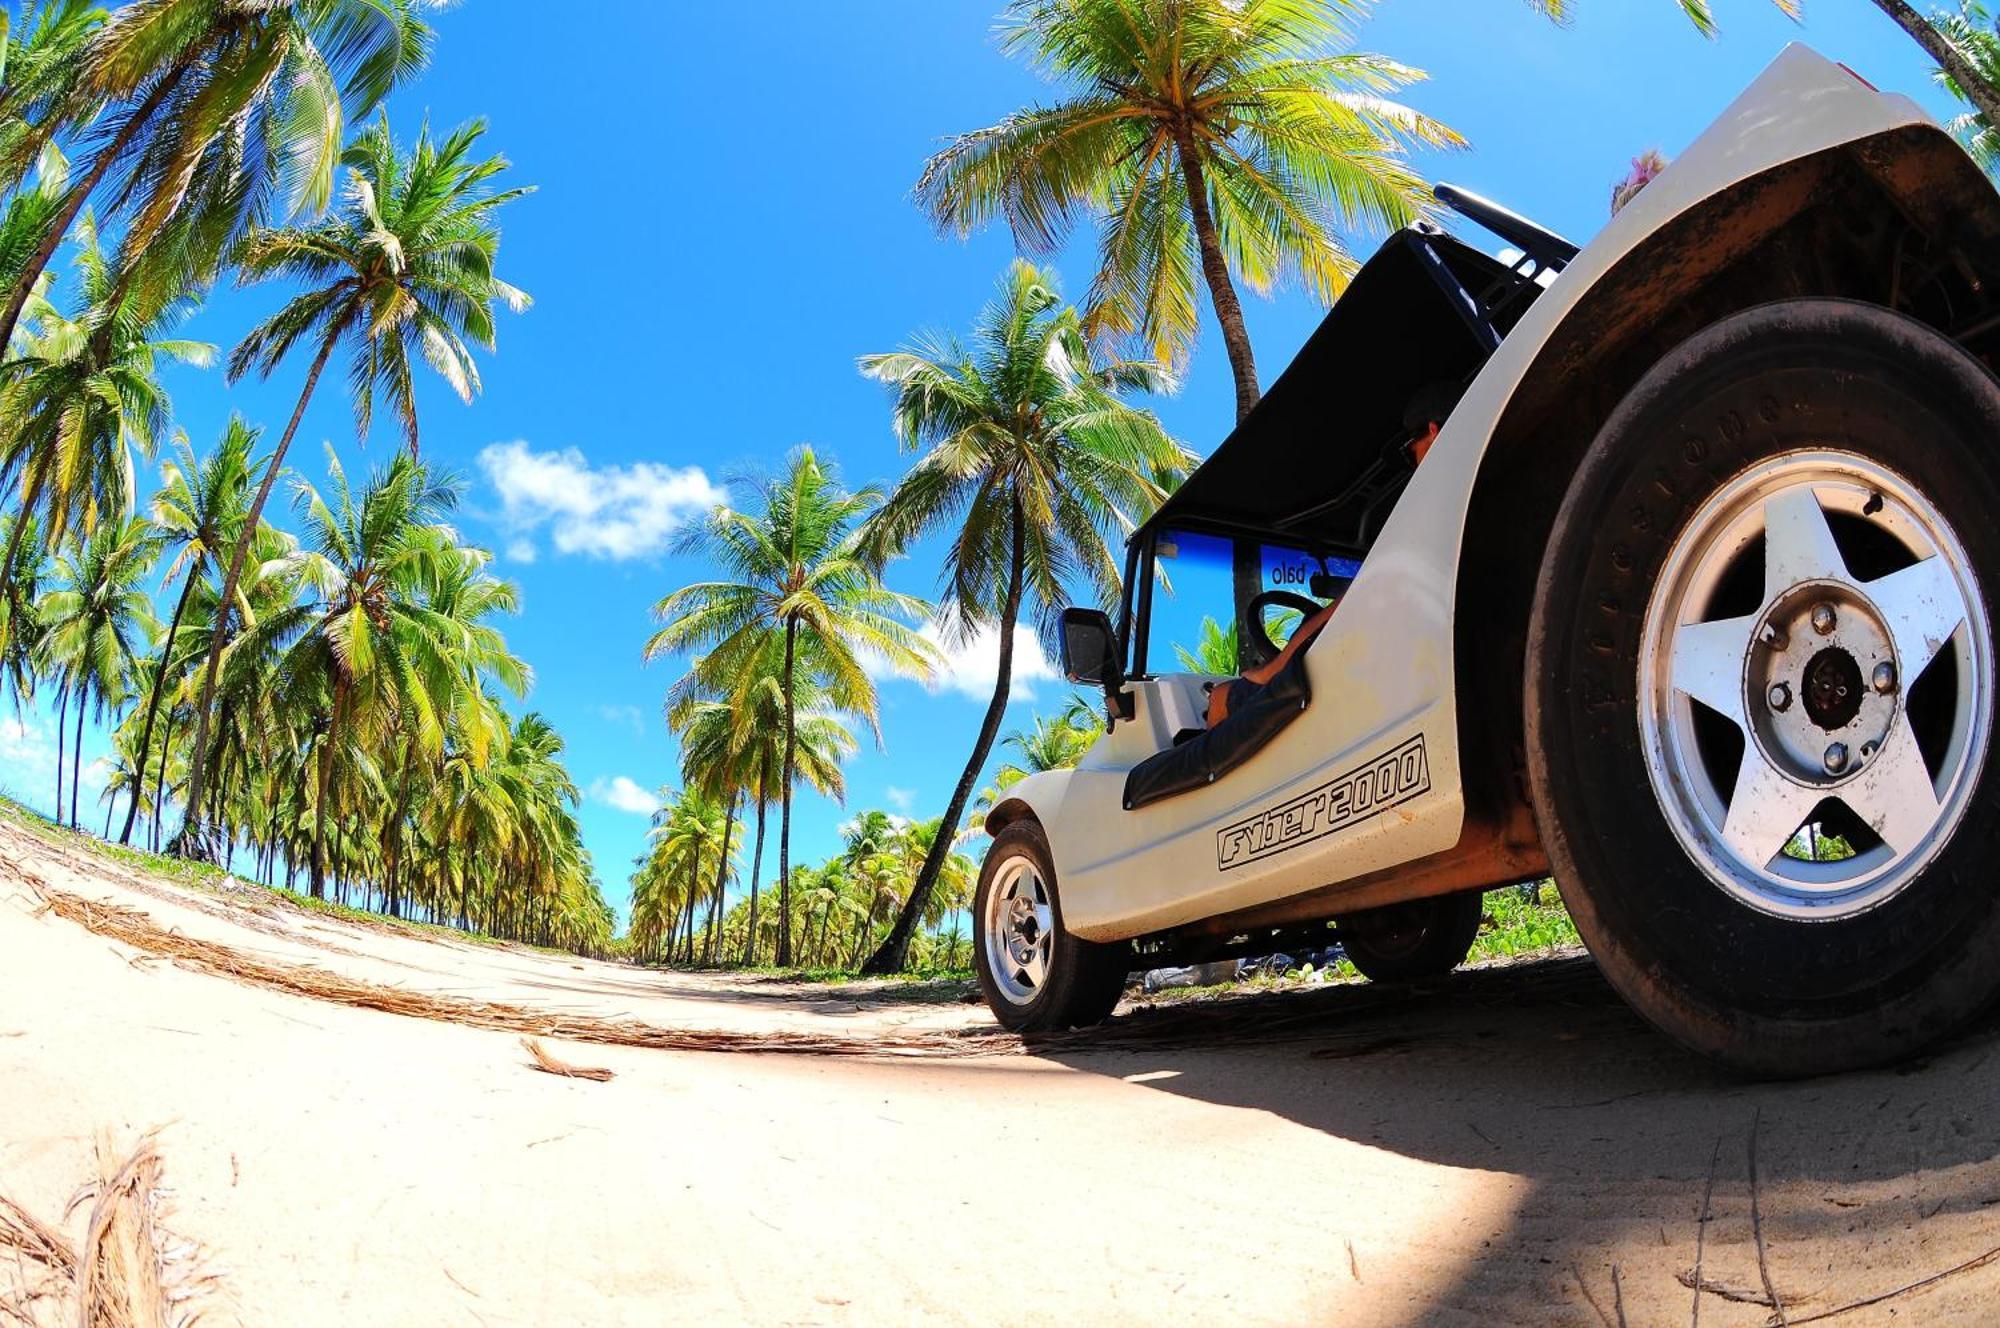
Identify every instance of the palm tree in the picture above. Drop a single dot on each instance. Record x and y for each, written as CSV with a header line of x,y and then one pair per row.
x,y
366,654
798,577
198,512
688,837
1971,31
1231,136
405,266
84,393
213,103
871,852
1033,461
740,745
96,624
956,880
22,576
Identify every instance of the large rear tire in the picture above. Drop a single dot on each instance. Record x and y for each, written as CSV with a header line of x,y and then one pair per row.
x,y
1760,690
1035,975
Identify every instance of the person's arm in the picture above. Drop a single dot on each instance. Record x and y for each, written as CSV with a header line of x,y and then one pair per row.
x,y
1308,629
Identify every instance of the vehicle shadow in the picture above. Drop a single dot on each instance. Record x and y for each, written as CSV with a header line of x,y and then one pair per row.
x,y
1540,1071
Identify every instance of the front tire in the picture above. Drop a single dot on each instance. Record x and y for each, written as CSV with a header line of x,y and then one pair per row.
x,y
1036,976
1760,690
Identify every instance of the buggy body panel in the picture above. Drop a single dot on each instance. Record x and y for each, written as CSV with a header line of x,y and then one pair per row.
x,y
1371,777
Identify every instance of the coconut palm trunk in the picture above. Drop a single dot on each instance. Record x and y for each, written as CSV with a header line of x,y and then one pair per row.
x,y
191,841
76,754
160,783
894,951
785,805
1978,91
153,708
1246,567
1215,271
62,742
322,771
79,193
721,883
756,867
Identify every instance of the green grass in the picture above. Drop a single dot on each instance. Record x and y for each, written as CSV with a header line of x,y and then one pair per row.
x,y
1523,919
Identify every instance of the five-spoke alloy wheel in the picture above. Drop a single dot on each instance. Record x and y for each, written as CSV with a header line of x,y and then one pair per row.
x,y
1832,797
1760,689
1035,975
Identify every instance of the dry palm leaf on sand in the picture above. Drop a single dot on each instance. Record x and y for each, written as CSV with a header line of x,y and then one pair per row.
x,y
128,1271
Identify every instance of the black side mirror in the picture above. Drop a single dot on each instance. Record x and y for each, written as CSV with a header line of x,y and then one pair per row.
x,y
1090,649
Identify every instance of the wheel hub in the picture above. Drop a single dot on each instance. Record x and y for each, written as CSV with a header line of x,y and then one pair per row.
x,y
1811,712
1017,928
1817,680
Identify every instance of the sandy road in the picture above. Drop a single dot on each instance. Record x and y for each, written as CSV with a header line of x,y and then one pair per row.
x,y
1509,1146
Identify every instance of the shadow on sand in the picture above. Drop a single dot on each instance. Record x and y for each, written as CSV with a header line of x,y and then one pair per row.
x,y
1865,1180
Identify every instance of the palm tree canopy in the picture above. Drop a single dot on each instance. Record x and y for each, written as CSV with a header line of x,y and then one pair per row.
x,y
83,395
1297,139
798,558
1699,12
255,97
200,505
1022,417
97,621
404,267
728,745
1972,31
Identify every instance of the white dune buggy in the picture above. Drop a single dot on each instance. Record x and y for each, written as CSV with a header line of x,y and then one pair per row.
x,y
1688,605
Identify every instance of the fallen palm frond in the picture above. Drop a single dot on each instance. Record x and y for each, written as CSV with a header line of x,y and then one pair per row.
x,y
548,1064
1336,1016
139,930
129,1271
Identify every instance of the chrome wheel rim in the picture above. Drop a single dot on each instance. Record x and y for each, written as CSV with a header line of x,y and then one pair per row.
x,y
1815,685
1017,928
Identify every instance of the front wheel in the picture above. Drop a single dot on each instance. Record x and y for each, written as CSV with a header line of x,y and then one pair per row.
x,y
1760,689
1035,975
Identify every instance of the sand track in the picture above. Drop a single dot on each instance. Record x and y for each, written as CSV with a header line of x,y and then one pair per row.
x,y
1508,1146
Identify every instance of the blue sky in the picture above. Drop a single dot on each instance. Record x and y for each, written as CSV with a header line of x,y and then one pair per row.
x,y
722,224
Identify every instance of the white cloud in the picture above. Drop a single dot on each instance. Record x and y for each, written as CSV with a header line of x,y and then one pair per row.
x,y
627,716
610,511
28,765
27,758
624,794
901,799
22,740
970,666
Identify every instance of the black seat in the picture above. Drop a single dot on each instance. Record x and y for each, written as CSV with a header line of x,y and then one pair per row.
x,y
1253,720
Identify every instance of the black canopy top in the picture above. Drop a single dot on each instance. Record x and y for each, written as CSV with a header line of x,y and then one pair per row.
x,y
1319,460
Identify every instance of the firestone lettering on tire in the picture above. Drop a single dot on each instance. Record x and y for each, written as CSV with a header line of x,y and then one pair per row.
x,y
1345,800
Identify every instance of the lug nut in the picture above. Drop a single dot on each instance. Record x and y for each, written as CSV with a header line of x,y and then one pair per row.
x,y
1836,758
1823,618
1780,697
1884,677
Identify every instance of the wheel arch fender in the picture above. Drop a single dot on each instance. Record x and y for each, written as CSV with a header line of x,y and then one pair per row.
x,y
1837,221
1037,798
